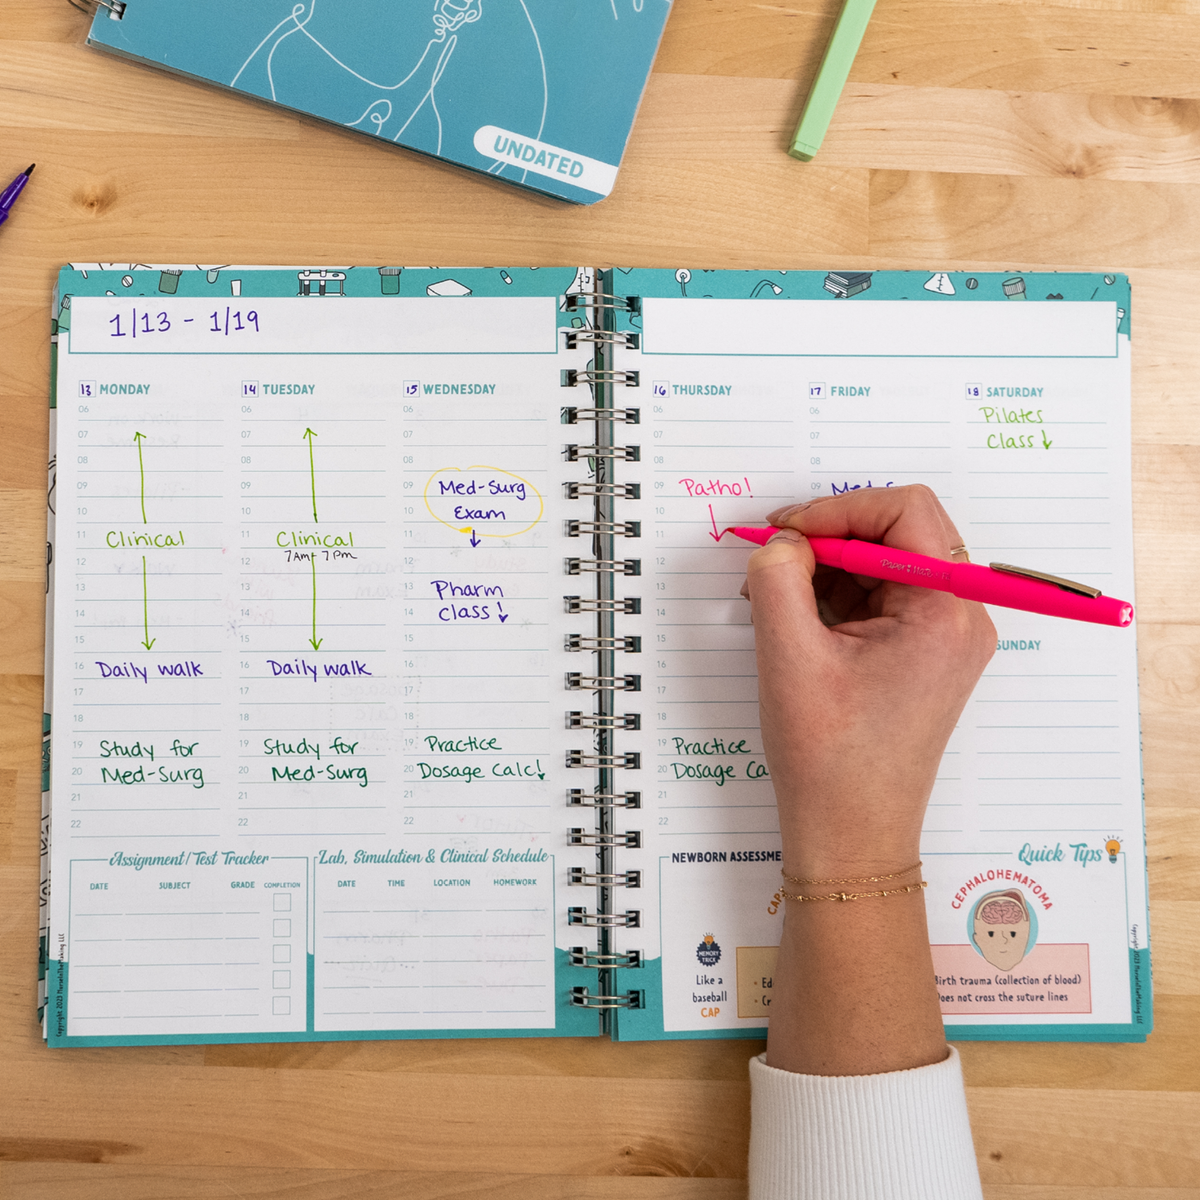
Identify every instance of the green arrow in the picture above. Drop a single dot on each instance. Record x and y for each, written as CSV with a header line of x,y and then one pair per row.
x,y
1046,442
314,641
312,470
147,640
137,437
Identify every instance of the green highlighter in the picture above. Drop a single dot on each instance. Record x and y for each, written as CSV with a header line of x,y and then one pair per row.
x,y
831,78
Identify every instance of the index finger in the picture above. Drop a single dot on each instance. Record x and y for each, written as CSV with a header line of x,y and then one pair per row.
x,y
907,518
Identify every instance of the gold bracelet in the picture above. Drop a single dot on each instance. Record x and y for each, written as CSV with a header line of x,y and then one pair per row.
x,y
868,879
915,887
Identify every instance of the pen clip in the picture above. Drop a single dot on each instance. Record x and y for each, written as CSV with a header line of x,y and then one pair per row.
x,y
1067,585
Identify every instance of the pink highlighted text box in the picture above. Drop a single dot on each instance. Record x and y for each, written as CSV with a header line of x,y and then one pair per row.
x,y
1049,979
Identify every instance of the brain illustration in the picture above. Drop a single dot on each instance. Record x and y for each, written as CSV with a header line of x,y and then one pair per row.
x,y
1002,912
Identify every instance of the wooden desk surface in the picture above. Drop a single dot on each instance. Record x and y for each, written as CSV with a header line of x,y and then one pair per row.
x,y
981,134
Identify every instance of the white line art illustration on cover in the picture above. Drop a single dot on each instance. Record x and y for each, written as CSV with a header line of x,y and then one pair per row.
x,y
284,67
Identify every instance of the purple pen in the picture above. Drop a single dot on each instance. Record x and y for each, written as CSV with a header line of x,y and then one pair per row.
x,y
9,196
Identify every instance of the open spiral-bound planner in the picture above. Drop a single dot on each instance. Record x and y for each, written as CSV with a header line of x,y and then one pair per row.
x,y
399,685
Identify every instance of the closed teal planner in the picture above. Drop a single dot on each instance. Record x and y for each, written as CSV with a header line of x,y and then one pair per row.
x,y
539,93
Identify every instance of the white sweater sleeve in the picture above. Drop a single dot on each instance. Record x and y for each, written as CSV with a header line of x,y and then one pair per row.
x,y
904,1135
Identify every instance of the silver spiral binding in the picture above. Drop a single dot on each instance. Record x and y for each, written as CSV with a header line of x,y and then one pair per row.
x,y
578,877
580,956
582,998
603,683
629,529
578,760
577,798
631,839
576,642
631,919
574,378
620,491
604,337
116,8
630,605
581,720
628,416
621,453
602,300
602,377
605,566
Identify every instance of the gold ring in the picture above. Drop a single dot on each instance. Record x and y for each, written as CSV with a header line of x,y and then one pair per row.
x,y
961,550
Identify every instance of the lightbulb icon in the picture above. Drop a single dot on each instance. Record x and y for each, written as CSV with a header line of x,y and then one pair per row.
x,y
1113,846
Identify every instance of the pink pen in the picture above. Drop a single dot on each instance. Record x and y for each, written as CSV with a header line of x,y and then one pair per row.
x,y
997,583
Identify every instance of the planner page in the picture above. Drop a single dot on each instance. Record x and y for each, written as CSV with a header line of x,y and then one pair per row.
x,y
1009,396
308,748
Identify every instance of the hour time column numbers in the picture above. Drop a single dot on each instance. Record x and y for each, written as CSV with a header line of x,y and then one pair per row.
x,y
816,392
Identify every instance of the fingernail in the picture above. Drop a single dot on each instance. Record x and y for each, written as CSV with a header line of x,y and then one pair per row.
x,y
781,514
784,535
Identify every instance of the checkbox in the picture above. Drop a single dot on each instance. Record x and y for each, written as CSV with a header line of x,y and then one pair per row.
x,y
282,927
283,902
281,953
281,979
281,1006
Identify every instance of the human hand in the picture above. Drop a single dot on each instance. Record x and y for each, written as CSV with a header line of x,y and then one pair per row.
x,y
861,681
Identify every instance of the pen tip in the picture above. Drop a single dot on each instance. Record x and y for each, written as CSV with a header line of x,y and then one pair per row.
x,y
29,169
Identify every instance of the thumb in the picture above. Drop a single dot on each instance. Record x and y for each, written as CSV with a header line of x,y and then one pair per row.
x,y
782,601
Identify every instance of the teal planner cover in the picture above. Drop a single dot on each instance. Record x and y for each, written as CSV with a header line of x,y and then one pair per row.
x,y
540,93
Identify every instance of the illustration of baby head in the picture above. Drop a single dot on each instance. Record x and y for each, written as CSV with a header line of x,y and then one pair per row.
x,y
1000,928
448,16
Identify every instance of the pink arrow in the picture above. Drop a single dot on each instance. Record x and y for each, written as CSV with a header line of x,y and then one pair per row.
x,y
715,534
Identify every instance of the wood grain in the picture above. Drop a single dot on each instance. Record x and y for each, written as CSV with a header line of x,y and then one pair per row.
x,y
590,1057
58,84
1169,669
111,1182
94,210
1017,1191
1166,480
185,1116
1166,310
8,813
1102,1138
935,216
974,134
1051,135
1177,968
105,1181
943,43
1168,1062
22,603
